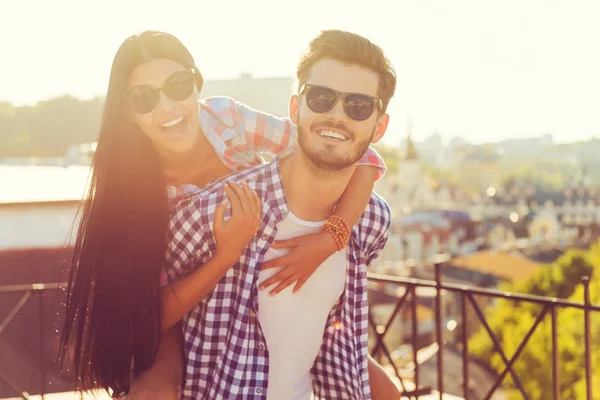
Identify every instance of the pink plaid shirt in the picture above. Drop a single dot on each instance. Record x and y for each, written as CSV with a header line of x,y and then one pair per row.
x,y
239,134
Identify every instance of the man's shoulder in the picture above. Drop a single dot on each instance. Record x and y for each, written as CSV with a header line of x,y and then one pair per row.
x,y
378,208
375,221
209,196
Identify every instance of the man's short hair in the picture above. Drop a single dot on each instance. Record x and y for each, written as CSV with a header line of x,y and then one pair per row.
x,y
353,49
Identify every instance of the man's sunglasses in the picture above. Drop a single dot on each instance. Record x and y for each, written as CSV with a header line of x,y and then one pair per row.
x,y
321,99
144,99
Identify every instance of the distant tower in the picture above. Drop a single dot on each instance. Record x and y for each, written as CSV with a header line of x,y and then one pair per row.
x,y
410,167
585,177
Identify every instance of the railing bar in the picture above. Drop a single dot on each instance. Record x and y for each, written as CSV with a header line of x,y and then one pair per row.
x,y
587,336
518,352
377,335
42,358
386,279
555,376
399,306
438,330
389,356
386,352
495,341
482,291
34,287
14,387
465,344
415,336
14,311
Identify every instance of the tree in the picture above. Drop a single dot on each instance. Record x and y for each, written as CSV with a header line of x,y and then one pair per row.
x,y
510,323
49,128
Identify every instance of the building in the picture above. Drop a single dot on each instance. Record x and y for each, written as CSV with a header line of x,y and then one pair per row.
x,y
421,236
411,189
548,214
479,168
271,95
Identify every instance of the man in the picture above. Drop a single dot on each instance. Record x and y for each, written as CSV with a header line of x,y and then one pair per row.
x,y
241,343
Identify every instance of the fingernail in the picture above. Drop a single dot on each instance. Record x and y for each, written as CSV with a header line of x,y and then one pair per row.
x,y
272,294
261,287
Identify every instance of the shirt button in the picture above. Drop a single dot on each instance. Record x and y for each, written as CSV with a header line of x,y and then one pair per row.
x,y
264,237
261,346
282,211
259,390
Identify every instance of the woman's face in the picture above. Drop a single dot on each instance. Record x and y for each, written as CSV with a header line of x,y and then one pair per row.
x,y
162,99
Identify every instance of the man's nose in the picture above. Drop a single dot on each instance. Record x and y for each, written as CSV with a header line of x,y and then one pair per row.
x,y
337,113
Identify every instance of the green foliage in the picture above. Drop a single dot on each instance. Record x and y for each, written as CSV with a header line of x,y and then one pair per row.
x,y
510,322
48,128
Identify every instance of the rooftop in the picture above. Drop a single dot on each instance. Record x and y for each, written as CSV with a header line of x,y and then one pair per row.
x,y
508,266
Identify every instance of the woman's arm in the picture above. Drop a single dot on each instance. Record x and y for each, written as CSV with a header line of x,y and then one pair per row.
x,y
182,295
272,135
310,251
357,195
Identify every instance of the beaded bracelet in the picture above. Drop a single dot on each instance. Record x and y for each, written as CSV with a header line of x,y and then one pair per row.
x,y
338,229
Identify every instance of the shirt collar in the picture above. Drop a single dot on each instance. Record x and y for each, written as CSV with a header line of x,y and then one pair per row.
x,y
274,189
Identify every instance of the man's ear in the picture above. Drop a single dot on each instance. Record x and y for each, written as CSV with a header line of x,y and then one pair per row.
x,y
294,108
382,124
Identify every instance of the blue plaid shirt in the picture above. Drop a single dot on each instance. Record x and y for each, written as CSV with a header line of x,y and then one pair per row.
x,y
226,352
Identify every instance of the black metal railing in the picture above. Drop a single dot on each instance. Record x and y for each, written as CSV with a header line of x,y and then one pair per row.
x,y
467,295
29,292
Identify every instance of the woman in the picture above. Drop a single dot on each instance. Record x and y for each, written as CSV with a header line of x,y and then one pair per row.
x,y
154,137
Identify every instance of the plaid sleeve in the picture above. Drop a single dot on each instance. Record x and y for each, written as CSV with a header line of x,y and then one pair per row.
x,y
373,159
267,133
374,227
189,240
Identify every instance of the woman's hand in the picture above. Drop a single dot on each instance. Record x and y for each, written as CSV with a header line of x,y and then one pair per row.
x,y
232,237
246,213
308,253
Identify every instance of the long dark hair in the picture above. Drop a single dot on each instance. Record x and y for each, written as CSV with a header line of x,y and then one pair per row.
x,y
113,305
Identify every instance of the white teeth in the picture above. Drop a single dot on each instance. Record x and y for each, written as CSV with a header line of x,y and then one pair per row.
x,y
332,134
172,123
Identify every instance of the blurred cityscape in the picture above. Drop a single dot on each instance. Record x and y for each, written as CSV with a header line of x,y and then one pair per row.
x,y
519,215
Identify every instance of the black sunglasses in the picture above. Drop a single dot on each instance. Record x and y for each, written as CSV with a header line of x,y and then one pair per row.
x,y
144,99
322,99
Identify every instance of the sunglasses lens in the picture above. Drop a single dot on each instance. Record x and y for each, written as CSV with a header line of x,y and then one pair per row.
x,y
320,100
179,86
359,107
143,99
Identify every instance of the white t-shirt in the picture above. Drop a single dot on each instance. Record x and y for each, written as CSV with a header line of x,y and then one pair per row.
x,y
293,324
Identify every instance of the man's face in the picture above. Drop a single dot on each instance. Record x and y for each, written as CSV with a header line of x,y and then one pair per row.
x,y
332,140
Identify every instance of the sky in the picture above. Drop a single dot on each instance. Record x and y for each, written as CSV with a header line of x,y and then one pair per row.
x,y
482,70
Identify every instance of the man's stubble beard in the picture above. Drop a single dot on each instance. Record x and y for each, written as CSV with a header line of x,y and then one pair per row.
x,y
323,160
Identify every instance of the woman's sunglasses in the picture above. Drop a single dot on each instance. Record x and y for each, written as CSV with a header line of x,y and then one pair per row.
x,y
144,99
321,99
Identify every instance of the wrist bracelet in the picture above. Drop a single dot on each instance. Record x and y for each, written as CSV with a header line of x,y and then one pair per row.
x,y
338,229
